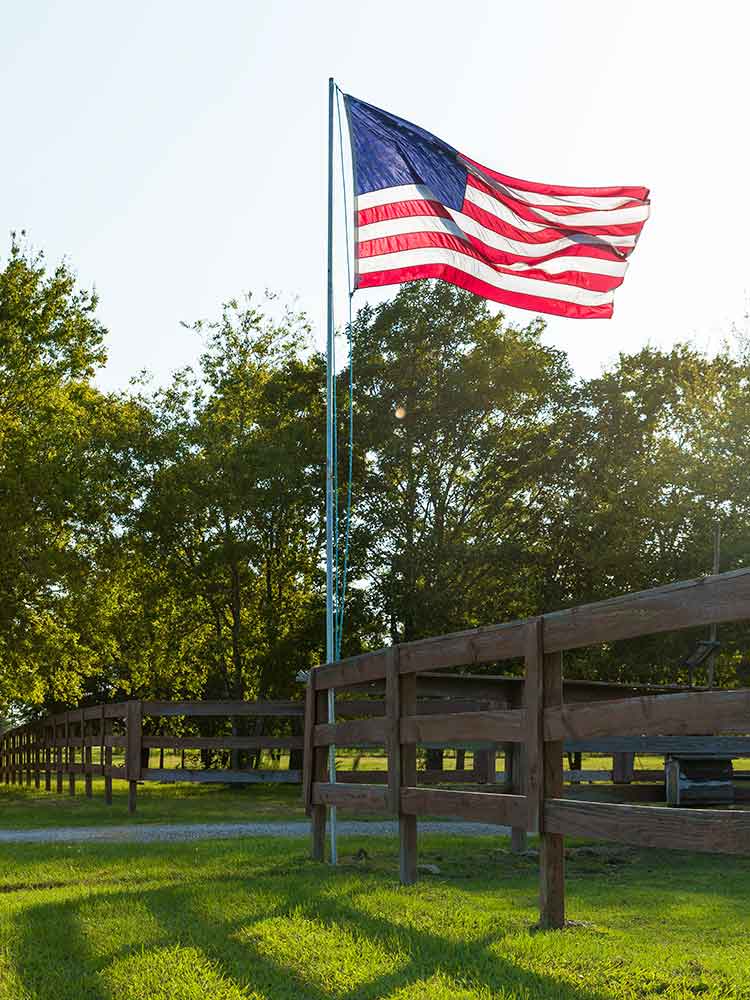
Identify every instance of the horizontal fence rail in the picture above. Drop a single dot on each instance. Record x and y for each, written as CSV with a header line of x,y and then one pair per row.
x,y
83,742
534,720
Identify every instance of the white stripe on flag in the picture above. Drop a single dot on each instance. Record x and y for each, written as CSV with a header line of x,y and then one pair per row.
x,y
387,196
601,202
493,205
484,272
464,225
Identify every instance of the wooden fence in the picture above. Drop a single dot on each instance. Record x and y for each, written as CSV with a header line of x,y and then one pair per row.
x,y
111,741
539,724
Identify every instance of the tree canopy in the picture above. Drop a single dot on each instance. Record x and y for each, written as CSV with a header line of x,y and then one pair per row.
x,y
168,541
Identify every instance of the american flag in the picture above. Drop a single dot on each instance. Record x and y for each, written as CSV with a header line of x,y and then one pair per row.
x,y
424,210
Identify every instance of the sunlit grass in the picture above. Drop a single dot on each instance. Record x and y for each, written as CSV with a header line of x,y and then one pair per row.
x,y
182,802
255,920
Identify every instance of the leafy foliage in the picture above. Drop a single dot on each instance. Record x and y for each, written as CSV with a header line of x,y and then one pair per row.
x,y
169,541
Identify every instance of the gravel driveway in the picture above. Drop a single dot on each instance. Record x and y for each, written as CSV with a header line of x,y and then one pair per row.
x,y
216,831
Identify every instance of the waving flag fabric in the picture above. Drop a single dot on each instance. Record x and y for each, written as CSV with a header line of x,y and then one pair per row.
x,y
424,210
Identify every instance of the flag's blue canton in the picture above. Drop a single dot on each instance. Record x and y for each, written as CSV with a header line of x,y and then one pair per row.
x,y
389,151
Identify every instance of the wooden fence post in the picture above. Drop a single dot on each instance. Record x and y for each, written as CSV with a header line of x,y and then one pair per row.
x,y
58,762
86,736
134,750
49,743
545,770
393,724
485,766
407,825
105,756
534,703
108,775
515,776
36,744
623,766
69,756
27,742
319,773
314,767
552,845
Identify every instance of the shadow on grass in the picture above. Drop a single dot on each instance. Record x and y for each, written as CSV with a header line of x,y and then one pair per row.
x,y
269,930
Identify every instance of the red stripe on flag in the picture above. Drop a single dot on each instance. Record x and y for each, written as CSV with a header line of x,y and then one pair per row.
x,y
539,236
477,250
401,210
419,208
454,276
561,191
524,211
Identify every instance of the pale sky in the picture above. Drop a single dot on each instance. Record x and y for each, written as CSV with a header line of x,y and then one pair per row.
x,y
175,151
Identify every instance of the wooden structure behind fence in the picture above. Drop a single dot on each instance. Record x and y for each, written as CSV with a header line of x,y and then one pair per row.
x,y
82,743
538,723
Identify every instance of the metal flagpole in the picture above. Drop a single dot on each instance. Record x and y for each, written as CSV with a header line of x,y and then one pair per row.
x,y
330,431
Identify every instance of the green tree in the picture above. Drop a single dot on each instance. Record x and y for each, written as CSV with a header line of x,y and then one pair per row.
x,y
53,503
231,505
458,417
662,453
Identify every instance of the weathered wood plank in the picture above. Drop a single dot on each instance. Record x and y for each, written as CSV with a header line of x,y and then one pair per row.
x,y
407,824
487,807
354,732
462,777
480,645
356,707
691,714
515,776
379,777
223,742
318,811
685,604
220,777
392,722
223,708
551,845
623,768
439,706
735,746
354,670
309,755
118,710
711,830
133,741
362,798
133,759
533,701
498,727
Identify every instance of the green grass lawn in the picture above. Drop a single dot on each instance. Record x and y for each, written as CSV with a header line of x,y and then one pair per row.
x,y
255,919
24,808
